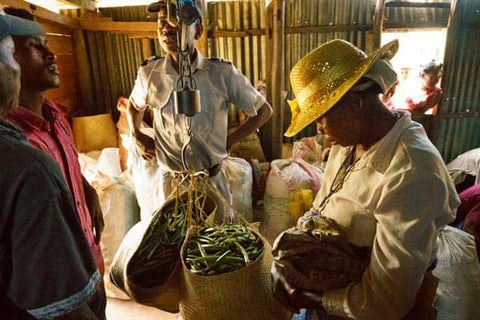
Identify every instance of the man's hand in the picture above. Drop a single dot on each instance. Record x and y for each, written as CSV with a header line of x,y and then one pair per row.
x,y
145,145
292,298
93,204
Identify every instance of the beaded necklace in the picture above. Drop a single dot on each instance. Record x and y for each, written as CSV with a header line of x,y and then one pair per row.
x,y
342,174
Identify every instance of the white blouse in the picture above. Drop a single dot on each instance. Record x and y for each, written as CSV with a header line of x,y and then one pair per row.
x,y
394,201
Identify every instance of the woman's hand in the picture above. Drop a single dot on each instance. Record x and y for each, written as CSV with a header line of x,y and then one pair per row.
x,y
292,298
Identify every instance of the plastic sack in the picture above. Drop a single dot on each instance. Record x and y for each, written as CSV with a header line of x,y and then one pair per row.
x,y
120,213
147,179
458,271
239,176
285,178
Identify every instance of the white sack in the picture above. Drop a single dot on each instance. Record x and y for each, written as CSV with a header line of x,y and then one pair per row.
x,y
240,178
120,213
458,271
285,178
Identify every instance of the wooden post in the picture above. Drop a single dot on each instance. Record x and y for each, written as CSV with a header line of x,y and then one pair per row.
x,y
273,130
146,48
378,24
202,43
83,73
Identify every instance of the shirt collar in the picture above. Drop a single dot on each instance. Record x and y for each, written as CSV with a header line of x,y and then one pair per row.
x,y
380,155
51,112
198,63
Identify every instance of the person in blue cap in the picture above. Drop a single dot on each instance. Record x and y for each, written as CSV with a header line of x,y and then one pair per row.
x,y
47,270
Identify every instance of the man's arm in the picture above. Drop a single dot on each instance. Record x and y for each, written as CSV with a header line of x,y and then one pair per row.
x,y
93,205
250,125
145,144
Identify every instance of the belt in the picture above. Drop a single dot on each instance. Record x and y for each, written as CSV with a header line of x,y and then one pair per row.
x,y
213,171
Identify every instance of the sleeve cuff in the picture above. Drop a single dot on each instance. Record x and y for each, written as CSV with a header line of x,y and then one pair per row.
x,y
332,301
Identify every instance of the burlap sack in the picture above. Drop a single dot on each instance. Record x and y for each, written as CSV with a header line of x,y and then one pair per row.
x,y
242,294
166,294
316,256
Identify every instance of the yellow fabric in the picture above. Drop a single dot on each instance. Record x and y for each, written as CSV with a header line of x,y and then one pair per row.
x,y
301,202
94,132
324,75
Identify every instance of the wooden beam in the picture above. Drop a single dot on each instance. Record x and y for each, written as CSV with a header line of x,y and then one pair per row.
x,y
42,13
86,4
408,4
275,82
106,24
146,49
202,43
83,73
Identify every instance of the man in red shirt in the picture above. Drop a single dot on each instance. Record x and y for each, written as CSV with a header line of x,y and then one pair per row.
x,y
46,128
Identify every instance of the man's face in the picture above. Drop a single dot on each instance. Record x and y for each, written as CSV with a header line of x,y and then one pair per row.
x,y
167,35
37,62
9,76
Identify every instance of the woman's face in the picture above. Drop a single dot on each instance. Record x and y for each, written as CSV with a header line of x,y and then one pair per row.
x,y
342,123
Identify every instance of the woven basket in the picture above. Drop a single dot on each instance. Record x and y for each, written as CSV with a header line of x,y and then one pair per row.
x,y
94,132
242,294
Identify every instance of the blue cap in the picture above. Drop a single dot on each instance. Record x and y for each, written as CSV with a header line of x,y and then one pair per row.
x,y
15,26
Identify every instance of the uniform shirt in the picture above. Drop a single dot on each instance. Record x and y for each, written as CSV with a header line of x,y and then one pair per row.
x,y
219,83
393,201
46,266
52,134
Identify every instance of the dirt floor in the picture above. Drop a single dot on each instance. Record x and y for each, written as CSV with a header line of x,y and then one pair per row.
x,y
118,309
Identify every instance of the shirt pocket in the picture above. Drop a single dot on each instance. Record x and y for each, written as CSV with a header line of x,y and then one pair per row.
x,y
162,102
212,104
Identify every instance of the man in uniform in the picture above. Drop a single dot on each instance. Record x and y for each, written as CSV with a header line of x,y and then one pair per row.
x,y
219,83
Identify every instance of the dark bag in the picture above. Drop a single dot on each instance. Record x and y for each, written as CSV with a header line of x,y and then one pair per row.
x,y
147,265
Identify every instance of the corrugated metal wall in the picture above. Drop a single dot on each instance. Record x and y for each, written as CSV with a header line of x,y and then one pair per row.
x,y
458,122
247,51
418,17
114,60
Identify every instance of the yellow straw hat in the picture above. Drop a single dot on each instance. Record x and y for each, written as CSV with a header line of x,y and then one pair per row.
x,y
324,75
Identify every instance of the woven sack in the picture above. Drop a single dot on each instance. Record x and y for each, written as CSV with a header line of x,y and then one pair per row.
x,y
316,256
242,294
166,294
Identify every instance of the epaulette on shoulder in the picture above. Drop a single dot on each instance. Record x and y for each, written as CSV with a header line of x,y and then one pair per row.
x,y
150,60
220,60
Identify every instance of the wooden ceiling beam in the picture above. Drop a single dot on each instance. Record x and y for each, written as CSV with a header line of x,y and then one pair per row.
x,y
42,13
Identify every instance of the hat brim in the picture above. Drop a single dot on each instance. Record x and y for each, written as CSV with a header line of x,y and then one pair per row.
x,y
300,119
15,26
156,6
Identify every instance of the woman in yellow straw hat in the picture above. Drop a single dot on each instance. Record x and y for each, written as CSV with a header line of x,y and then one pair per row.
x,y
385,184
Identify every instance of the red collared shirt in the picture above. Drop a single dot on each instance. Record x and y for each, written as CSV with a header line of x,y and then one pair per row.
x,y
53,135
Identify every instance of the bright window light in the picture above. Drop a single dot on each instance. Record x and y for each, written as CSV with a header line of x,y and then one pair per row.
x,y
52,5
416,48
122,3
